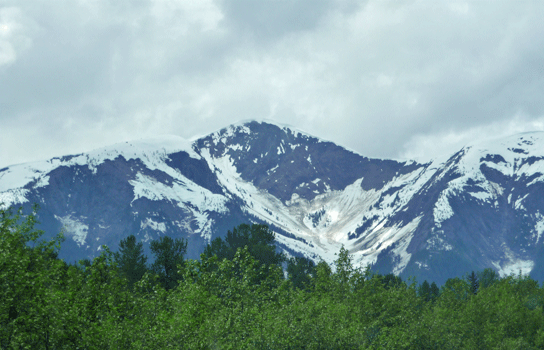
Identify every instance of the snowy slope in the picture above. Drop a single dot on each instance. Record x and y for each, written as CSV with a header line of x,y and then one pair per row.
x,y
151,152
147,176
480,207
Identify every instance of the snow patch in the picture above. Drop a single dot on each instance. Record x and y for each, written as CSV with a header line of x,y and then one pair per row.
x,y
518,205
74,227
512,264
182,192
513,267
539,226
369,248
13,197
157,226
270,171
43,181
437,243
197,201
442,209
420,265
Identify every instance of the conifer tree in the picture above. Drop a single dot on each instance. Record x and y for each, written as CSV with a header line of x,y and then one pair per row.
x,y
424,291
435,291
474,283
168,255
391,281
300,270
258,238
131,259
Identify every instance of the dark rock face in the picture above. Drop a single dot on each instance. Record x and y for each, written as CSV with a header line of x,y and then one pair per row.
x,y
196,170
278,160
481,207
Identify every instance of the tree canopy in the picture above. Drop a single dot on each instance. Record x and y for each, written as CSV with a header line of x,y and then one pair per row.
x,y
257,237
131,259
239,302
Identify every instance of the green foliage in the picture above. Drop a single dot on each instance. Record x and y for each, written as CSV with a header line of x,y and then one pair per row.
x,y
435,291
424,291
456,288
487,277
168,255
131,259
392,281
244,303
300,271
472,279
28,272
347,278
258,238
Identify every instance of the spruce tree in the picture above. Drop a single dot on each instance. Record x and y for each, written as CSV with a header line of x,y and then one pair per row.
x,y
258,238
168,255
424,291
435,291
474,283
391,281
300,270
131,259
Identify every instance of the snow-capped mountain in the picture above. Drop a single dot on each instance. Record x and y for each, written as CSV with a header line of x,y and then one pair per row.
x,y
479,208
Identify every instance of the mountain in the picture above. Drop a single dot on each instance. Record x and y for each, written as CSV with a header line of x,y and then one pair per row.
x,y
481,207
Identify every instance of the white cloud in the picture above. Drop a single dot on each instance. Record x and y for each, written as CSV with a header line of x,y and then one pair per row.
x,y
14,33
424,147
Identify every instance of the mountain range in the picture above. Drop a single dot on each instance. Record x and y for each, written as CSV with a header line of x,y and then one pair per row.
x,y
479,207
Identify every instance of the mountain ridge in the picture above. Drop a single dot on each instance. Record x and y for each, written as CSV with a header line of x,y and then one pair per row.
x,y
476,208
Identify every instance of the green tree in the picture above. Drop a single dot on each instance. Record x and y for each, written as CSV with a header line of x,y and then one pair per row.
x,y
29,275
258,238
391,281
131,259
435,291
168,255
322,283
300,270
424,291
474,283
487,277
457,288
102,299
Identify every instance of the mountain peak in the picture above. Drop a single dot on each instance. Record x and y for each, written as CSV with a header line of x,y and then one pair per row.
x,y
480,207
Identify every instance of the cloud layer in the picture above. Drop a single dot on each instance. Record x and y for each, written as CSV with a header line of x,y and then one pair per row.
x,y
385,78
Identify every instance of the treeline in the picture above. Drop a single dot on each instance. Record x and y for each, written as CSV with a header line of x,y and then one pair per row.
x,y
238,297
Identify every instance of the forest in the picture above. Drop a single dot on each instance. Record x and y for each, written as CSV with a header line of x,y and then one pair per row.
x,y
242,294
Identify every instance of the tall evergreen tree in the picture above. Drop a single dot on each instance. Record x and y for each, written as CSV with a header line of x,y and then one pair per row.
x,y
131,259
474,283
424,290
168,255
258,238
300,270
435,291
391,281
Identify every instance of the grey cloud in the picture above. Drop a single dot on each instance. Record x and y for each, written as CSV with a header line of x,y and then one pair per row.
x,y
270,20
383,78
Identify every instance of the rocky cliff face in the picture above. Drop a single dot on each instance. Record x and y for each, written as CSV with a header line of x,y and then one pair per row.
x,y
479,208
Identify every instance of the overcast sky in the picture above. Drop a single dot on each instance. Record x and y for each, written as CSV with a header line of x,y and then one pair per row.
x,y
396,79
